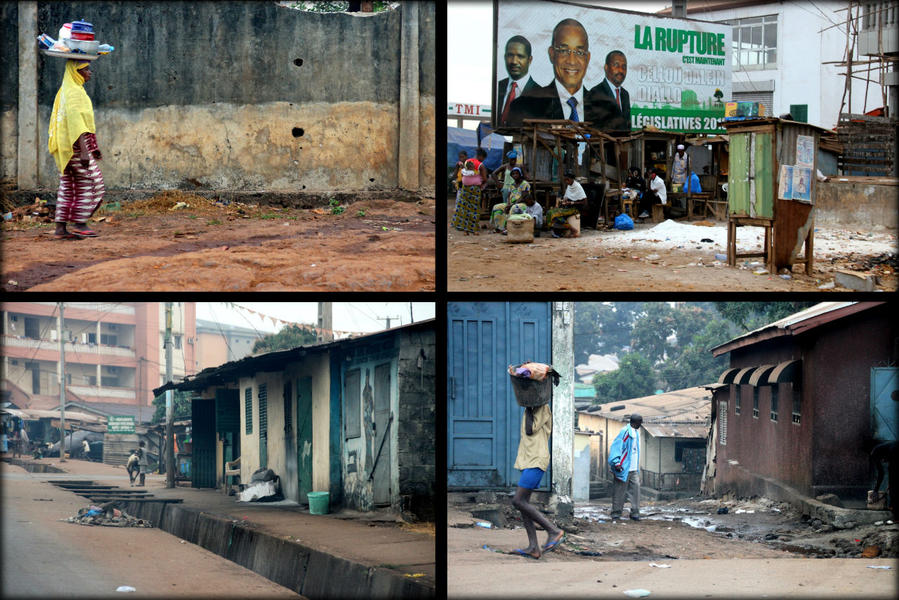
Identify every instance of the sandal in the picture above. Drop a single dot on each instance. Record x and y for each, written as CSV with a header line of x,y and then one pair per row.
x,y
521,552
65,236
551,545
84,232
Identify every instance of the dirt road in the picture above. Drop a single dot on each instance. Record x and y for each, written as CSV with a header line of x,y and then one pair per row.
x,y
44,557
680,549
371,245
648,259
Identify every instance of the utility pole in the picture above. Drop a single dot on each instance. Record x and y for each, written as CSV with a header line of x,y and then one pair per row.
x,y
169,403
679,9
411,316
325,322
62,387
388,320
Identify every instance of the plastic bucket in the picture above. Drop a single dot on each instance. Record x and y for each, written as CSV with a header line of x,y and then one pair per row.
x,y
318,502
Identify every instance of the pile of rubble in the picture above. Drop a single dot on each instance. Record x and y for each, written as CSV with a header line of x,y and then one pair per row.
x,y
106,515
40,211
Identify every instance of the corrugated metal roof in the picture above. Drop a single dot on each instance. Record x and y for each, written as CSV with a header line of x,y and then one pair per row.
x,y
796,323
690,406
677,430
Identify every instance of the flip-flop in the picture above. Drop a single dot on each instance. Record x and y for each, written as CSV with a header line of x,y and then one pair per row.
x,y
65,236
84,232
521,552
551,545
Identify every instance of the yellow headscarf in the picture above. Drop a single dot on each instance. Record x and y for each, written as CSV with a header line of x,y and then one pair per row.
x,y
73,114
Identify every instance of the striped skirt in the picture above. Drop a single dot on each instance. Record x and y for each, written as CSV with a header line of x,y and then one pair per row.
x,y
80,191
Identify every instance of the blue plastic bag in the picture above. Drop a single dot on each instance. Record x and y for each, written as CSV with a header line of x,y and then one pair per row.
x,y
624,222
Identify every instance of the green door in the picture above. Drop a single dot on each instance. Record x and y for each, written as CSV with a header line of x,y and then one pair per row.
x,y
751,181
304,437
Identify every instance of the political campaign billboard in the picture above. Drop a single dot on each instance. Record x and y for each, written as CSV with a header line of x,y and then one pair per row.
x,y
619,70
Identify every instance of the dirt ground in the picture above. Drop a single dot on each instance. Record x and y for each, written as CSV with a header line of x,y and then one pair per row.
x,y
156,245
683,529
594,262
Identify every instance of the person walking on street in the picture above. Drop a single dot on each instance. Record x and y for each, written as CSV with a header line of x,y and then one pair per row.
x,y
533,460
133,466
624,460
143,463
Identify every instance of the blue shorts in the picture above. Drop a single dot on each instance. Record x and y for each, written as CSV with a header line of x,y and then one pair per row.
x,y
530,478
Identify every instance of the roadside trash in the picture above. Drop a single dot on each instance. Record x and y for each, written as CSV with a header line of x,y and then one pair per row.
x,y
740,511
653,257
415,574
827,286
7,216
264,487
107,516
640,593
660,566
588,553
722,510
785,276
887,567
624,222
125,588
707,241
484,524
180,205
871,552
721,256
486,547
760,272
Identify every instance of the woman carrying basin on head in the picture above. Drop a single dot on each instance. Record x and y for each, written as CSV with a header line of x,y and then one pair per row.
x,y
73,144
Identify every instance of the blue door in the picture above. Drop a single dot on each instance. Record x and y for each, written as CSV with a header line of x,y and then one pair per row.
x,y
483,339
884,402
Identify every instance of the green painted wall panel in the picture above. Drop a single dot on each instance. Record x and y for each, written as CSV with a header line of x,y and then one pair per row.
x,y
763,168
738,180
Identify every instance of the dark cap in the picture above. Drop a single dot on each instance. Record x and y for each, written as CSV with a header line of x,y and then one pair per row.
x,y
569,174
636,418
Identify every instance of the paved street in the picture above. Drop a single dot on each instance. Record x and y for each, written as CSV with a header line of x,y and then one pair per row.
x,y
48,558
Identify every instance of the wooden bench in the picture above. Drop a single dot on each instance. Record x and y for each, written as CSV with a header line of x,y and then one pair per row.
x,y
232,469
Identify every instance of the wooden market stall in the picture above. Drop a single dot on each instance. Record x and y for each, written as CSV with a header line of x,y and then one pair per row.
x,y
772,184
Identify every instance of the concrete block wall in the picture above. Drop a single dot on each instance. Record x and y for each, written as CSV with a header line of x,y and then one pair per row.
x,y
417,422
238,96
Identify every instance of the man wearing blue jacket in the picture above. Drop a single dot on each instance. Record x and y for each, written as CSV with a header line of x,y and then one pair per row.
x,y
624,460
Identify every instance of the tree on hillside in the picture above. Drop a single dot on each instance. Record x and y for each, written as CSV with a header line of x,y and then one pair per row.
x,y
694,364
602,328
633,378
752,315
291,336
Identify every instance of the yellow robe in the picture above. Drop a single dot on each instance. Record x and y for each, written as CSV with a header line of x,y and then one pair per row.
x,y
73,115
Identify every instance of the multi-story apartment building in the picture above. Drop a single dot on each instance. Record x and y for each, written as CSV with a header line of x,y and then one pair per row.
x,y
218,343
114,353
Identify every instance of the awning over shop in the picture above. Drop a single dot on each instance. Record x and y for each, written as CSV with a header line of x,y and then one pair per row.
x,y
743,375
728,376
789,371
676,430
760,375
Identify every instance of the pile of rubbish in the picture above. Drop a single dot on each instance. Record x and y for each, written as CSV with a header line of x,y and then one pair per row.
x,y
264,486
37,212
106,515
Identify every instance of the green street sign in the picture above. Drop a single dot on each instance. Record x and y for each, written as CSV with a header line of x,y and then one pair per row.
x,y
120,424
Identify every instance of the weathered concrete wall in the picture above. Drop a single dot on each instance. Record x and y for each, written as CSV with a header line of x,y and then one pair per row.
x,y
417,423
854,204
309,572
563,398
241,96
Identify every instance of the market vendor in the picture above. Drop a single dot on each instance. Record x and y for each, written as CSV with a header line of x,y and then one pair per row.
x,y
520,190
506,170
73,144
656,194
571,204
680,166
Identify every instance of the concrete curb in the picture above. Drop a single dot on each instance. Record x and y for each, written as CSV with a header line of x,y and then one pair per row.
x,y
307,571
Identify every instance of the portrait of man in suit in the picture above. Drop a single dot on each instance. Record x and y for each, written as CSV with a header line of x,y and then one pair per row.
x,y
518,60
609,104
563,98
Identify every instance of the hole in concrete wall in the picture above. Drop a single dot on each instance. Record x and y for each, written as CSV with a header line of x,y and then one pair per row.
x,y
298,62
304,187
372,179
297,131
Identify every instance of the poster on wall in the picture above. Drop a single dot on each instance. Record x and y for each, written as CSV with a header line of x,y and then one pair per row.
x,y
802,184
805,151
785,183
619,70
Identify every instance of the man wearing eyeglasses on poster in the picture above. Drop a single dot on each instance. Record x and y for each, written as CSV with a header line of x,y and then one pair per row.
x,y
563,98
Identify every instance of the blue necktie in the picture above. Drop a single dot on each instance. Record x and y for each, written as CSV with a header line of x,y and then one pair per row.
x,y
572,102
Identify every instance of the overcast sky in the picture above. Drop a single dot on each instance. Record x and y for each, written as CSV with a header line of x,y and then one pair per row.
x,y
469,46
360,317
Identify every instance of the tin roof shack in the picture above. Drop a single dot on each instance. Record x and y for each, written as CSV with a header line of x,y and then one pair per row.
x,y
802,401
772,184
353,417
672,447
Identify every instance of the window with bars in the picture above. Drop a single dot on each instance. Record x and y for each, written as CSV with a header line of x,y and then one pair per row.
x,y
735,394
248,409
775,393
722,423
754,42
288,412
797,397
263,410
352,388
755,402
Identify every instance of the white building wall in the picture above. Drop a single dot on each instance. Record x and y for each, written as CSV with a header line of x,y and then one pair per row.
x,y
802,48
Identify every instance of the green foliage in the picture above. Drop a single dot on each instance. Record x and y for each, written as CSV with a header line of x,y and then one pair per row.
x,y
291,336
334,6
602,327
694,364
181,407
336,208
360,213
752,315
634,378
